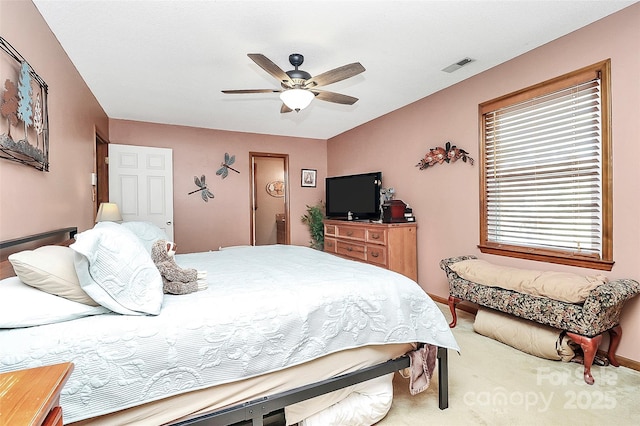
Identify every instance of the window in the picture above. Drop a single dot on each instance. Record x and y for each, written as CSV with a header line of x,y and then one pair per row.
x,y
546,171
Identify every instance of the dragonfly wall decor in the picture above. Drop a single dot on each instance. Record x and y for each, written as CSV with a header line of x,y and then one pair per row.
x,y
226,166
204,191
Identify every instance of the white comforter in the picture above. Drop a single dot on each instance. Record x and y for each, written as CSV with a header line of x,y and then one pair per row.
x,y
266,308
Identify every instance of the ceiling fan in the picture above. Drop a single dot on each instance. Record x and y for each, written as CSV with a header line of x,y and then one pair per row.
x,y
299,88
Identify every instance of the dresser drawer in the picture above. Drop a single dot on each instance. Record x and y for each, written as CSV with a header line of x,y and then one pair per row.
x,y
329,245
376,254
329,230
355,251
351,233
377,236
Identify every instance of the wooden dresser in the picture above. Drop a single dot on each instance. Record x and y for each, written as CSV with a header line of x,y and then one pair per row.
x,y
32,396
389,245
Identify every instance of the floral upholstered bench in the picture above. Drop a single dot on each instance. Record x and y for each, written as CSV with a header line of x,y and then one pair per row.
x,y
584,307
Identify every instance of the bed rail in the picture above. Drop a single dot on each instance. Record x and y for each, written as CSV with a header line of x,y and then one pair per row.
x,y
72,231
255,411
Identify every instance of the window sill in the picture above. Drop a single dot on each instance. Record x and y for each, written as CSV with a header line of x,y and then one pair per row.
x,y
548,256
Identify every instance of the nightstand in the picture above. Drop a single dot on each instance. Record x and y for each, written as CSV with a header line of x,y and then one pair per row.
x,y
32,396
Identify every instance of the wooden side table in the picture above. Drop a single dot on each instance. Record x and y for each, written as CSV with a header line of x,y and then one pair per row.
x,y
32,396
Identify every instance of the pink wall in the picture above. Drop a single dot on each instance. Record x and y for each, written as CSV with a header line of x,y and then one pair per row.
x,y
34,201
445,198
224,220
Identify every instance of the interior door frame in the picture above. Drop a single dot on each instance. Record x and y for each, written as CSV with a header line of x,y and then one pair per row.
x,y
253,188
101,187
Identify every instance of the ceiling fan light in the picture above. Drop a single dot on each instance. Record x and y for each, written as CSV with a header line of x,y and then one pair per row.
x,y
297,99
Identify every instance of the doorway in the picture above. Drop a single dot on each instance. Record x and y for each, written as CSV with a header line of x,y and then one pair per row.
x,y
101,183
269,176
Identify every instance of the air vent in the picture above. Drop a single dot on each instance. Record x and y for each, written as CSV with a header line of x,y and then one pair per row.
x,y
458,65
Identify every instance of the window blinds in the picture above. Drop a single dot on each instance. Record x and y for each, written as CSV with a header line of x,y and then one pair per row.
x,y
543,171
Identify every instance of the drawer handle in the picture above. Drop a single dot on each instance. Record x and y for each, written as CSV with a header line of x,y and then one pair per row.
x,y
375,254
375,236
349,233
349,248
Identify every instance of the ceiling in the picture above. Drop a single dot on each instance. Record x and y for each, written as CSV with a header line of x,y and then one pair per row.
x,y
167,61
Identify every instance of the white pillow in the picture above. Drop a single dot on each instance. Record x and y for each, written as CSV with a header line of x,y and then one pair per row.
x,y
50,269
25,306
116,271
147,232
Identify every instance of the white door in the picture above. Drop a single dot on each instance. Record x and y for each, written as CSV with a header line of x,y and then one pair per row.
x,y
141,184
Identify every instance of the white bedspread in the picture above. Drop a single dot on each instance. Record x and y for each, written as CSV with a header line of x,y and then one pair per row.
x,y
266,308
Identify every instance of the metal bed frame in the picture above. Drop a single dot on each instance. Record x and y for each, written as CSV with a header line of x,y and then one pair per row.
x,y
257,410
72,231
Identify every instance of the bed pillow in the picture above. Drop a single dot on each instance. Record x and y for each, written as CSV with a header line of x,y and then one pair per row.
x,y
562,286
147,233
25,306
50,269
116,271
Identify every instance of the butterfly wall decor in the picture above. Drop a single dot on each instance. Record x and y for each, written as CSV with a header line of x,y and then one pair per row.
x,y
204,191
226,166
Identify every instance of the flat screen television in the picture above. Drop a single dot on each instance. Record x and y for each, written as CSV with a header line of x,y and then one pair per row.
x,y
358,194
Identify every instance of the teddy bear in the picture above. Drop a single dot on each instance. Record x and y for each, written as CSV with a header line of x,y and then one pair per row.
x,y
175,280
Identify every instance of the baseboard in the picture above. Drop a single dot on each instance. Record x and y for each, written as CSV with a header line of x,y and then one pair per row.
x,y
626,362
472,308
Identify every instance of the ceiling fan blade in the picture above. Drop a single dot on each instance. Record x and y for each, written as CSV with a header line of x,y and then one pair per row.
x,y
337,98
335,75
251,91
284,109
266,64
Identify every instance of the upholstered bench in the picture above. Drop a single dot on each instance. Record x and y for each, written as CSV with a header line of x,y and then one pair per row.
x,y
584,321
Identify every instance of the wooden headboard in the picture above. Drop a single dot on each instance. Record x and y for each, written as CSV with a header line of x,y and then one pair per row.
x,y
33,241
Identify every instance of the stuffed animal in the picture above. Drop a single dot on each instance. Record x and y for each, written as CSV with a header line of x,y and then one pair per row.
x,y
175,279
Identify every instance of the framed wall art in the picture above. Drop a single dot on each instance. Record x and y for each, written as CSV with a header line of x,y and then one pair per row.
x,y
276,188
24,128
309,177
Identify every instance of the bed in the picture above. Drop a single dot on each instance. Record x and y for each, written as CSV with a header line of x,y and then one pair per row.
x,y
278,326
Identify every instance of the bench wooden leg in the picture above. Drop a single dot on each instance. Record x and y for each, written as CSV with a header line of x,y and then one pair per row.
x,y
589,347
615,334
453,301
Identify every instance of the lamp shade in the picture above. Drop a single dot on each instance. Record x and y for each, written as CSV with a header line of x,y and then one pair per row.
x,y
108,212
297,99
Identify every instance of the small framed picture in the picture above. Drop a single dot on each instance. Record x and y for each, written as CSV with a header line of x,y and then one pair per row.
x,y
309,177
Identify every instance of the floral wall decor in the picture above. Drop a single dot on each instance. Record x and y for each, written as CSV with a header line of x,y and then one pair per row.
x,y
448,154
23,105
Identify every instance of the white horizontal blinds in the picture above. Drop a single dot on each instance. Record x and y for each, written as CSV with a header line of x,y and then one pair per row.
x,y
543,171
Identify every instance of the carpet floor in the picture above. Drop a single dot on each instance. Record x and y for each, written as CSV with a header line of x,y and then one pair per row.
x,y
491,383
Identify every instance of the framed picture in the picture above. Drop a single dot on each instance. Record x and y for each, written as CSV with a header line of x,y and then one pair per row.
x,y
24,135
309,177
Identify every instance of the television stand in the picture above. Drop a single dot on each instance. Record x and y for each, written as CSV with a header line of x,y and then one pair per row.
x,y
388,245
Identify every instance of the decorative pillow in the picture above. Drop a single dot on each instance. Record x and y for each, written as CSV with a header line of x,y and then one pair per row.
x,y
147,232
50,269
562,286
25,306
116,271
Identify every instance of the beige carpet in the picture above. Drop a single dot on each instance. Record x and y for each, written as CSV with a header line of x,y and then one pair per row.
x,y
493,384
